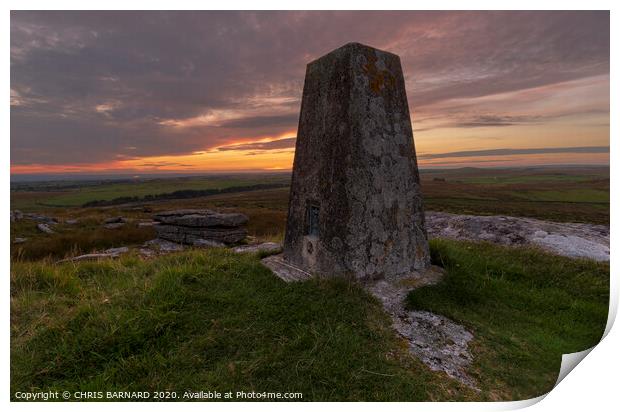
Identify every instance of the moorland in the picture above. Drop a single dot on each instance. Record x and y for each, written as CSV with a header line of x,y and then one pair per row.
x,y
211,319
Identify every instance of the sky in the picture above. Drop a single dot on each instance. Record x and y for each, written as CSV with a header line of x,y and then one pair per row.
x,y
146,92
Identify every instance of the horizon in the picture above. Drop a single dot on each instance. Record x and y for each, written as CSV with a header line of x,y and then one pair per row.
x,y
219,92
51,177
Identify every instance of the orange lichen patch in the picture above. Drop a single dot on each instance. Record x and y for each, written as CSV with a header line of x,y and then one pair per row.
x,y
378,80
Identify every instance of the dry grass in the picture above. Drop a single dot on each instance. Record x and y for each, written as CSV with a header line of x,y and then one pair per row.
x,y
71,243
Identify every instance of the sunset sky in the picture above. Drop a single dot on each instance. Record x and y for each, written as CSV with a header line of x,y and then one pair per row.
x,y
125,92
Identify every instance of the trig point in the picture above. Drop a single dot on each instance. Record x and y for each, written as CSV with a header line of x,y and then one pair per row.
x,y
355,204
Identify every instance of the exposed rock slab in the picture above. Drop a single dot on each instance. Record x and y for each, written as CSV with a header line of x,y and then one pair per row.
x,y
107,254
189,235
40,218
205,243
189,226
116,219
89,256
284,270
437,341
267,247
145,252
201,218
162,245
116,225
117,250
576,240
45,228
147,224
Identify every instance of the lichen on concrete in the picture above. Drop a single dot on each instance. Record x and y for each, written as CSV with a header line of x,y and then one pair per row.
x,y
355,162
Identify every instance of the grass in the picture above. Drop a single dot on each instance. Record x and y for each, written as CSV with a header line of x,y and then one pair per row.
x,y
266,223
206,320
525,307
215,320
77,241
570,195
564,194
77,196
267,212
542,178
210,319
552,211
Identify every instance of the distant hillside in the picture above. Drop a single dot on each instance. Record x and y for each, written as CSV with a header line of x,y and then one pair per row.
x,y
181,194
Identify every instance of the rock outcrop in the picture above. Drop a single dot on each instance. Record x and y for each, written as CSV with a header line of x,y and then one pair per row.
x,y
113,225
40,218
576,240
192,226
161,246
147,223
207,244
45,228
115,219
267,247
16,215
109,253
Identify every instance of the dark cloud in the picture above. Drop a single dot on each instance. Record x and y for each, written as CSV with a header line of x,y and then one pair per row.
x,y
260,121
288,142
89,85
506,152
256,153
496,121
164,164
491,120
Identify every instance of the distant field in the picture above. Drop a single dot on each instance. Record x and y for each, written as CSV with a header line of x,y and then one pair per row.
x,y
543,178
77,196
565,195
520,175
570,194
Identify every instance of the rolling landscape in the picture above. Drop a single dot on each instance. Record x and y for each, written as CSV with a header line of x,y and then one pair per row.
x,y
183,319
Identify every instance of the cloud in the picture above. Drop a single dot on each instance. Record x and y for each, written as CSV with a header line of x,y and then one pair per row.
x,y
488,120
506,152
260,121
496,121
286,143
164,164
90,84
